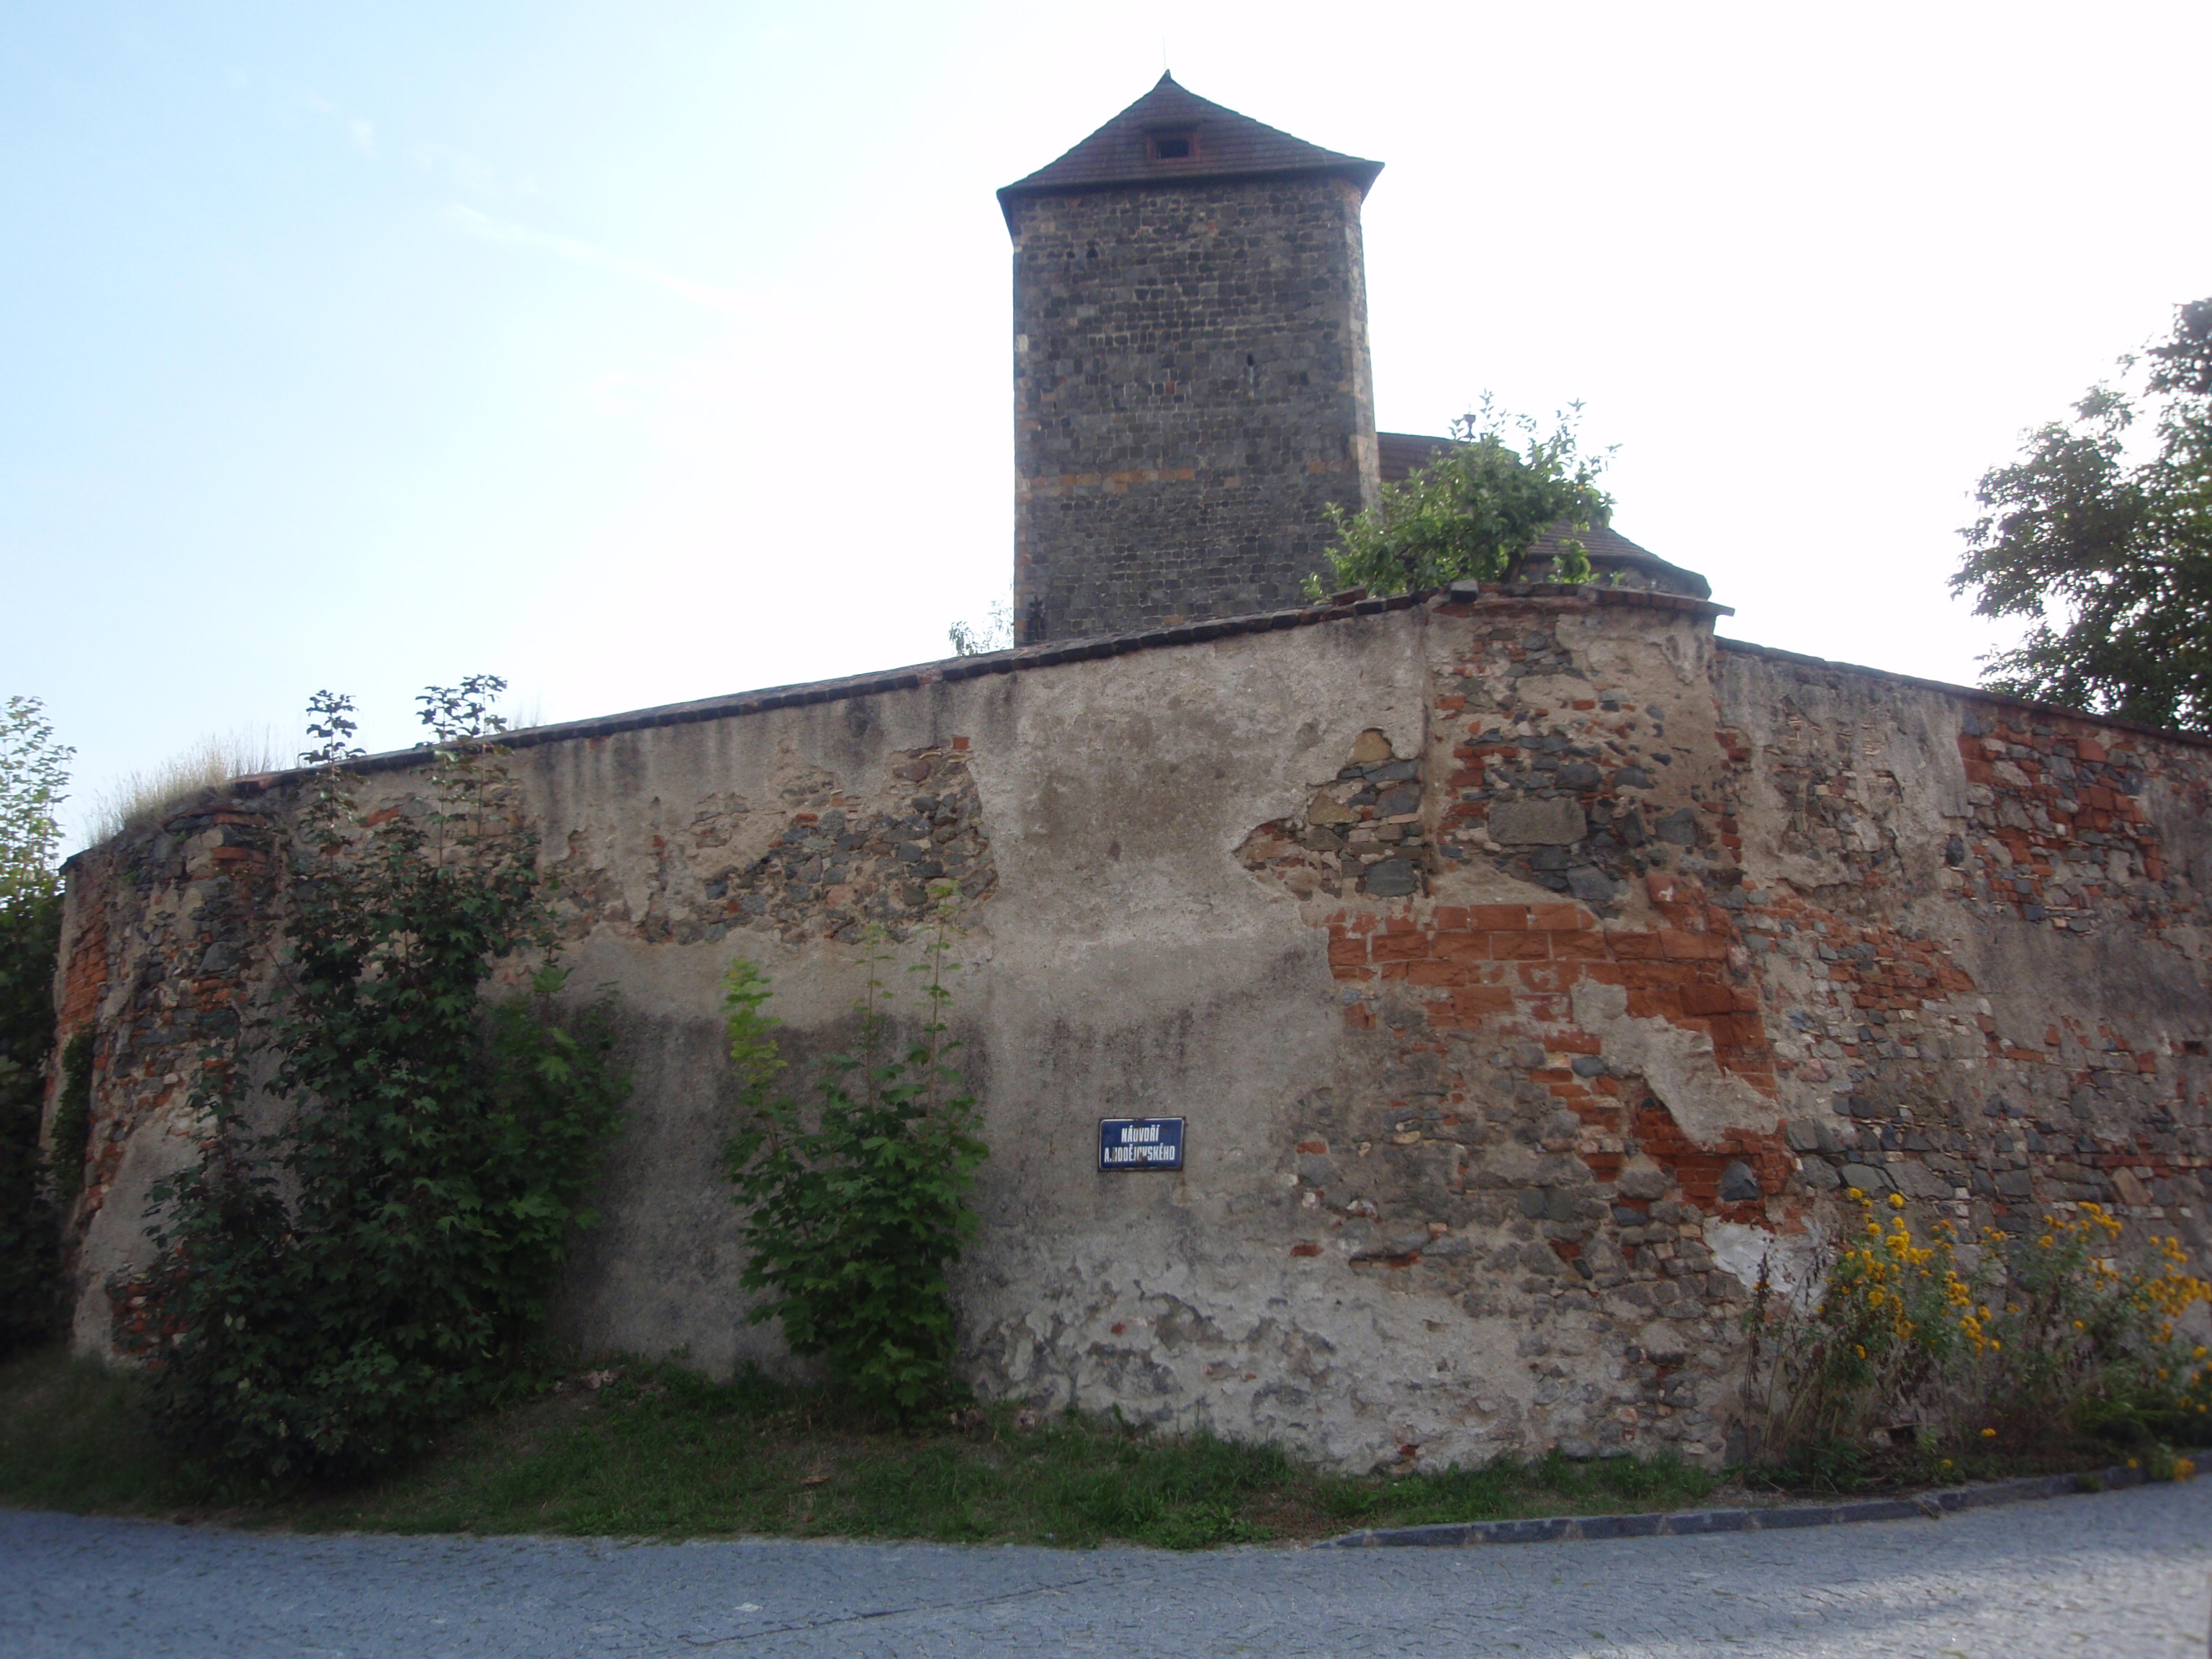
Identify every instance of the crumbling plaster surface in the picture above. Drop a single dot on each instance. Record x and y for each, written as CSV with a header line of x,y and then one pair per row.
x,y
1530,972
1123,965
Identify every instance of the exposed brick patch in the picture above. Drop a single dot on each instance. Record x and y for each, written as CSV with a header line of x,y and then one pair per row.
x,y
1466,966
1701,1172
84,957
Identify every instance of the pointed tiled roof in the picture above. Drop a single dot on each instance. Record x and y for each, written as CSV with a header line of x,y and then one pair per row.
x,y
1227,146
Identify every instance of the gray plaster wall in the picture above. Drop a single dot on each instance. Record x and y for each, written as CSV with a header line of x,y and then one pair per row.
x,y
1528,971
1126,964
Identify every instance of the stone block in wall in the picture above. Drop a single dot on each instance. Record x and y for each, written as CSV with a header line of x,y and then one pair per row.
x,y
1556,822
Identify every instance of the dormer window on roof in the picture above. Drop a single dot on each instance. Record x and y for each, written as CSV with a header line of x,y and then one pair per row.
x,y
1172,144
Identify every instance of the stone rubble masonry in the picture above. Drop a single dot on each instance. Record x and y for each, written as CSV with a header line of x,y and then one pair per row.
x,y
1191,392
836,865
165,988
1530,968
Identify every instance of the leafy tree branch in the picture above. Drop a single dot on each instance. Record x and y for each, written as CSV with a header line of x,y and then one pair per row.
x,y
33,782
2107,550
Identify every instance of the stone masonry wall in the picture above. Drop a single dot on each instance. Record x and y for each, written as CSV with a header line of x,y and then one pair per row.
x,y
165,939
1530,968
1191,389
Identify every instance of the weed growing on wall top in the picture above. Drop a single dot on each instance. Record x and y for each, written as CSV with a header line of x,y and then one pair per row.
x,y
853,1218
1474,511
139,799
328,1292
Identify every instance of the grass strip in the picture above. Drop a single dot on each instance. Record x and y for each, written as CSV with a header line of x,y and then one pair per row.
x,y
658,1451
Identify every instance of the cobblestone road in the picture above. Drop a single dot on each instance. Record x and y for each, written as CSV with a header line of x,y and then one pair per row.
x,y
2123,1574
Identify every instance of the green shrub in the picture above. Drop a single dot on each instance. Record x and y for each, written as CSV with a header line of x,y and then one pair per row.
x,y
329,1291
1474,512
852,1219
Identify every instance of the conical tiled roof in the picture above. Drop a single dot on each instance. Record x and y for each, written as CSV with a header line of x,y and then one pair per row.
x,y
1223,145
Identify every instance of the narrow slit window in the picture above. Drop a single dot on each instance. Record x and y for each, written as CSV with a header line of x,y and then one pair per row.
x,y
1181,146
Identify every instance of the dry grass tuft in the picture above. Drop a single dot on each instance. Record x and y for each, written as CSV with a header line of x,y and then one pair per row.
x,y
138,799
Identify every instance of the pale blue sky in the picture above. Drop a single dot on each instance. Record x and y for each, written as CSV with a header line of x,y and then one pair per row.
x,y
654,351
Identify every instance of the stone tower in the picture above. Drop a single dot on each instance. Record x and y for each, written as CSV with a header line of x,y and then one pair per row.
x,y
1191,381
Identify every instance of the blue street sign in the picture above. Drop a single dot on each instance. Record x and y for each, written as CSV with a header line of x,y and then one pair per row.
x,y
1139,1143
